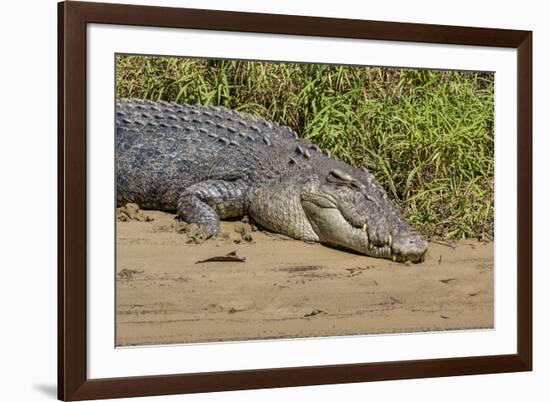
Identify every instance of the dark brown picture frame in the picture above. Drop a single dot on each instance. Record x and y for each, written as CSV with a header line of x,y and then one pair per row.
x,y
73,383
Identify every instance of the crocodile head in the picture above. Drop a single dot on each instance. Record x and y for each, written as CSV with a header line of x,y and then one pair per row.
x,y
356,213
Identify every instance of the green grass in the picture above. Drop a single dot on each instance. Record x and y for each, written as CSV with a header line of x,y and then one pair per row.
x,y
426,135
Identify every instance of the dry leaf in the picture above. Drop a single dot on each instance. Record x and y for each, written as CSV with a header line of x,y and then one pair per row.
x,y
229,257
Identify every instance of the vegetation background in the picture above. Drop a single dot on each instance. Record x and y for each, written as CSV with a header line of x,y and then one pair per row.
x,y
426,135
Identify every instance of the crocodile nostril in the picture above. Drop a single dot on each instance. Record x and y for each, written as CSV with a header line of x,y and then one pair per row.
x,y
409,244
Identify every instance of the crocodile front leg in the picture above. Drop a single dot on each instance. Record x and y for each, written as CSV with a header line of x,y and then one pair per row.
x,y
207,202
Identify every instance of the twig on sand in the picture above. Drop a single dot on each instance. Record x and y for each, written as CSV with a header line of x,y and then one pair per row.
x,y
128,274
314,313
444,243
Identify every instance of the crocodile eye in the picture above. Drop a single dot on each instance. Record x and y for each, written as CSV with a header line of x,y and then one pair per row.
x,y
354,185
343,179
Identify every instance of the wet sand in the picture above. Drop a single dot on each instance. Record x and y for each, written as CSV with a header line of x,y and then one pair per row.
x,y
286,288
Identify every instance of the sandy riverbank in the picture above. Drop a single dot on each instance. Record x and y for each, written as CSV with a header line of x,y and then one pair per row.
x,y
286,288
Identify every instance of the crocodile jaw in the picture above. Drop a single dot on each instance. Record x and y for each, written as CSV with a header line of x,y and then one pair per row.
x,y
332,228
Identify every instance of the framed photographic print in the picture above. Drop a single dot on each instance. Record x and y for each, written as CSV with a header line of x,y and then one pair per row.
x,y
252,200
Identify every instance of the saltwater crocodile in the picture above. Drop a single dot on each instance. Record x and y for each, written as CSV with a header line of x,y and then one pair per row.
x,y
212,163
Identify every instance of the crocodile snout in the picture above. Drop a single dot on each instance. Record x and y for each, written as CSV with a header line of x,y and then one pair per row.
x,y
409,246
